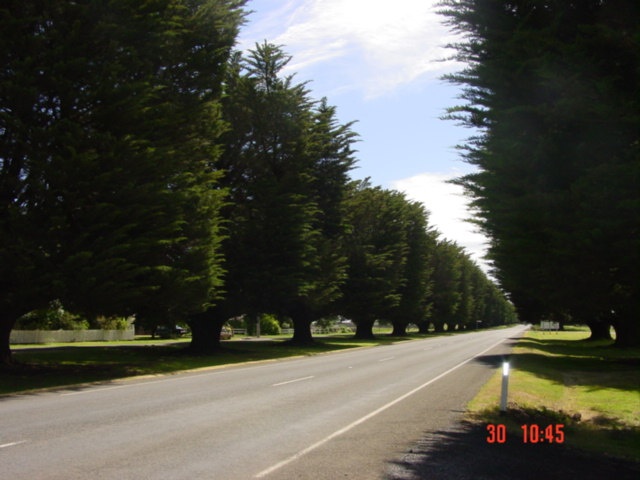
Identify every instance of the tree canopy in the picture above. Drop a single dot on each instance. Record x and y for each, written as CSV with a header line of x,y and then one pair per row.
x,y
286,164
378,249
147,169
109,117
553,89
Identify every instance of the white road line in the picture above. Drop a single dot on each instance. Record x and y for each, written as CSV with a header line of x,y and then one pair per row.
x,y
165,378
337,433
292,381
386,359
5,445
99,389
134,383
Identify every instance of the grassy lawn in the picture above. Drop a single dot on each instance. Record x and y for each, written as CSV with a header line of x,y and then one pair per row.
x,y
559,378
55,365
59,365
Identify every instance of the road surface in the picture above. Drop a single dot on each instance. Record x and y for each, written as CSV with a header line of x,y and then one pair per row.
x,y
338,415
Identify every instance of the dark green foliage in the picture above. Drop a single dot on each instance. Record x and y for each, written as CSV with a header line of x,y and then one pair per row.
x,y
54,317
553,88
400,273
286,166
377,254
414,306
446,293
269,325
108,127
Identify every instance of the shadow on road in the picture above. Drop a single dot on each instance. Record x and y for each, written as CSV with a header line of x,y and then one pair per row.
x,y
464,454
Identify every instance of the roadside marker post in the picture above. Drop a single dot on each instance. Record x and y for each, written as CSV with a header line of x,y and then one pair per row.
x,y
505,387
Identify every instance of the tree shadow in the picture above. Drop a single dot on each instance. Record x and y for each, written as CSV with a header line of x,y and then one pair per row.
x,y
464,454
570,366
604,349
493,360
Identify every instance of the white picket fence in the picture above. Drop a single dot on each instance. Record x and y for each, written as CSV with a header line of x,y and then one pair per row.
x,y
65,336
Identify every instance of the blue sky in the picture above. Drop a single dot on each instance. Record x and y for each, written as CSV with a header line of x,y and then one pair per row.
x,y
380,64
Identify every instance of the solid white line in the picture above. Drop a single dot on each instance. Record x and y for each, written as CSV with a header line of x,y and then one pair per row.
x,y
5,445
337,433
292,381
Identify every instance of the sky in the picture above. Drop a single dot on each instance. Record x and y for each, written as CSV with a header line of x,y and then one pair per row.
x,y
380,64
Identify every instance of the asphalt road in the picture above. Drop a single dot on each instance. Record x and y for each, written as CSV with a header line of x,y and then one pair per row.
x,y
342,415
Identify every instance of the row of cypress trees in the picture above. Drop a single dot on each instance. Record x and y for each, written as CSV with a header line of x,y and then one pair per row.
x,y
552,87
146,169
304,240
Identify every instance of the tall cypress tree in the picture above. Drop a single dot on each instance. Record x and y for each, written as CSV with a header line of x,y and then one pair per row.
x,y
377,250
108,127
446,292
414,306
553,86
286,164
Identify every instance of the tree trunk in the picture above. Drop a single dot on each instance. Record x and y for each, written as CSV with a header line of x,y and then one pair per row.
x,y
399,329
205,332
599,331
438,327
6,326
627,332
8,319
301,316
364,329
423,327
302,332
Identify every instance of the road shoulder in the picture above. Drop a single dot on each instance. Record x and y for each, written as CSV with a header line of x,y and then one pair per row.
x,y
393,434
463,453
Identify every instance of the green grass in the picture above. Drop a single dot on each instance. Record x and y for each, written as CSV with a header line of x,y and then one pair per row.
x,y
59,365
591,387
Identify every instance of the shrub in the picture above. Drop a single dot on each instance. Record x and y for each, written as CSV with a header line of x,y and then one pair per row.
x,y
268,325
55,317
113,323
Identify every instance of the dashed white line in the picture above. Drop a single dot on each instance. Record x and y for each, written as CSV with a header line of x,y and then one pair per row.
x,y
386,359
12,444
292,381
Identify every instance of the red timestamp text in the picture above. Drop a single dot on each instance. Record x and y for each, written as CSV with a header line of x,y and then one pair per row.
x,y
531,433
496,433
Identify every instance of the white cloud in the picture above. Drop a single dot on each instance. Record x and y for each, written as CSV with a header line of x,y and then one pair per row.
x,y
448,209
373,46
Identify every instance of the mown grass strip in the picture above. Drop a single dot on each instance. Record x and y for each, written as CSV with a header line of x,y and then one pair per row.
x,y
560,378
59,365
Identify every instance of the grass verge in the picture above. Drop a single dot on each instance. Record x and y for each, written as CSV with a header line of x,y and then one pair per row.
x,y
590,387
59,365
